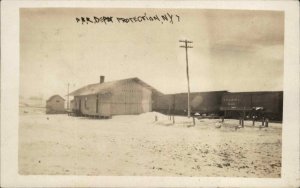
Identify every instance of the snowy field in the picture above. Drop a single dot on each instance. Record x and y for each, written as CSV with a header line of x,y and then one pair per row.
x,y
136,145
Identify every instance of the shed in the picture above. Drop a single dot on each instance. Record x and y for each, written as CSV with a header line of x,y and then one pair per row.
x,y
121,97
55,105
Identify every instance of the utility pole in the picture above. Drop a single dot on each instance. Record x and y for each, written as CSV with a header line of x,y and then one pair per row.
x,y
186,42
68,105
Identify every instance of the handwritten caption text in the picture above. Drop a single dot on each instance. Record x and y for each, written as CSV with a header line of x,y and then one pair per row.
x,y
163,18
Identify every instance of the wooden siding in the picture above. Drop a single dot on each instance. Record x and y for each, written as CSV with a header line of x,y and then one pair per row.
x,y
87,105
104,104
131,98
128,98
72,105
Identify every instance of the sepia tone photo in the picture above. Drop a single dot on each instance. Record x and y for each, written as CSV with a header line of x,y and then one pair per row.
x,y
151,92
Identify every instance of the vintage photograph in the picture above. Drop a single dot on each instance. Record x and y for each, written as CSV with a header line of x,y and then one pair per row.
x,y
151,92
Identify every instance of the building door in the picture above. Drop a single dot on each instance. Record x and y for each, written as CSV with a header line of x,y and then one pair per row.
x,y
97,104
104,105
80,106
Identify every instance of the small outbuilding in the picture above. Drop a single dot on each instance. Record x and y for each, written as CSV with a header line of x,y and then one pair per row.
x,y
55,105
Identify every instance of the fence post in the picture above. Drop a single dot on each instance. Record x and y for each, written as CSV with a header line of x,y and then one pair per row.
x,y
173,120
155,118
267,122
194,121
263,122
169,112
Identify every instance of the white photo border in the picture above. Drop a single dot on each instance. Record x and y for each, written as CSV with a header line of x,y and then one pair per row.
x,y
10,100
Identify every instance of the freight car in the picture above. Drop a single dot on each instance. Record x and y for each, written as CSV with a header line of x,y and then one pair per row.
x,y
207,103
253,104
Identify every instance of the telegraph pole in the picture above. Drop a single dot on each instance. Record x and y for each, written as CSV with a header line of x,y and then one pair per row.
x,y
186,42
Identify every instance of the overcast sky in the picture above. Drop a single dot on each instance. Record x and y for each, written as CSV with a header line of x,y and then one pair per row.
x,y
233,50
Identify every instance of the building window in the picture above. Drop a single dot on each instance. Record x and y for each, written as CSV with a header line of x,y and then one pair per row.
x,y
57,100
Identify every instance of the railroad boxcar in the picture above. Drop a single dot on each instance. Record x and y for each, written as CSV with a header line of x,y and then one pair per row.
x,y
201,102
267,104
163,103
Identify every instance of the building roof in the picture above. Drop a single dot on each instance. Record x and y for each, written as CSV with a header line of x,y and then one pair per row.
x,y
253,92
201,92
53,96
106,87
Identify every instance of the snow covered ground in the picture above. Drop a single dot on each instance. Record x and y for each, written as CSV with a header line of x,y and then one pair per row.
x,y
137,145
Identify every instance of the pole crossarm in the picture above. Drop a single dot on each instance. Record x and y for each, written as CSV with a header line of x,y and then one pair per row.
x,y
186,46
186,41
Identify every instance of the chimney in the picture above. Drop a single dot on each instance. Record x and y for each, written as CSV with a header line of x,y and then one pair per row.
x,y
101,79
